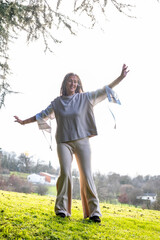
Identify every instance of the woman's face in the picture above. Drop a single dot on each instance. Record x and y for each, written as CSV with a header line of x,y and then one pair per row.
x,y
71,85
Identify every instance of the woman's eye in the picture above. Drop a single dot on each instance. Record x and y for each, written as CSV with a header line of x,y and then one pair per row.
x,y
70,81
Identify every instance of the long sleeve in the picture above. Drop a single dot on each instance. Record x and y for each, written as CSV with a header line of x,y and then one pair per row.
x,y
101,94
43,116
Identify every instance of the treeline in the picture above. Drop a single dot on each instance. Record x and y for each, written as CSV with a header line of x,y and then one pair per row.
x,y
116,188
113,187
9,161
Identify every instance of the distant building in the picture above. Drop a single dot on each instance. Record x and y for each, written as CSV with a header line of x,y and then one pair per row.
x,y
148,197
49,178
35,178
42,178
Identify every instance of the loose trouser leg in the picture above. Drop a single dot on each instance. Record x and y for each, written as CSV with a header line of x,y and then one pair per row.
x,y
64,182
89,196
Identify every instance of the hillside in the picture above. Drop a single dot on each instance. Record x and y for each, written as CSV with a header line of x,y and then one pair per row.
x,y
26,216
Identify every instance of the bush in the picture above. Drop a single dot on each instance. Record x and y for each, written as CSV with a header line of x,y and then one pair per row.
x,y
2,183
41,189
5,171
17,184
156,204
123,198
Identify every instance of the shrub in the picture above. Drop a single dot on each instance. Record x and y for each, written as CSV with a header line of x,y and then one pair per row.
x,y
41,189
5,171
2,183
123,198
17,184
156,204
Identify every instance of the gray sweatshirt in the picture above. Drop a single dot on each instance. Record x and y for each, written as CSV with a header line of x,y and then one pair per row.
x,y
74,114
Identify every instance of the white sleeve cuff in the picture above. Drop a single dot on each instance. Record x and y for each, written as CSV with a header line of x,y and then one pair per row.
x,y
112,96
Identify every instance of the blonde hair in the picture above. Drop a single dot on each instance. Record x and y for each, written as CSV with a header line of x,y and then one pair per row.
x,y
79,88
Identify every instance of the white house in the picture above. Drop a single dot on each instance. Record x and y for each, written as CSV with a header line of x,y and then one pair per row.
x,y
35,178
148,196
49,178
42,178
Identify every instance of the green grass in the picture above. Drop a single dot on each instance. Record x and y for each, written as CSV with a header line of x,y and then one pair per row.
x,y
26,216
52,190
20,174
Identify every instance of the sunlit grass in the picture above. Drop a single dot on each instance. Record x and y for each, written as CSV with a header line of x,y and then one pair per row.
x,y
26,216
52,190
20,174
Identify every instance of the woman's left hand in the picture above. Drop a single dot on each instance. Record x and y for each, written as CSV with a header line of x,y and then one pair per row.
x,y
124,71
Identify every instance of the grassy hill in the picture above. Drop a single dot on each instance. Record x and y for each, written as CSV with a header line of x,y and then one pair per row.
x,y
26,216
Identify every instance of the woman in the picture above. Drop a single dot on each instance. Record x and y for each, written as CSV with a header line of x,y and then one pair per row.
x,y
73,111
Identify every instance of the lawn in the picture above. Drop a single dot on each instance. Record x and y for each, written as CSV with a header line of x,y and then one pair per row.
x,y
20,174
52,190
28,216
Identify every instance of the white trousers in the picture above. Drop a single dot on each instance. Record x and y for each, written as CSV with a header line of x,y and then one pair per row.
x,y
90,202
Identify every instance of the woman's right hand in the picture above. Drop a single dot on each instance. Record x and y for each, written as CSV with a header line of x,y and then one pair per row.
x,y
19,120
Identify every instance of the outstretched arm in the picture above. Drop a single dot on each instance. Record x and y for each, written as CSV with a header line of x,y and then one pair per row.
x,y
44,114
23,122
120,78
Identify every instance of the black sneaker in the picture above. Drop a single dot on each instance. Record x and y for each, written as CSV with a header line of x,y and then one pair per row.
x,y
62,215
95,219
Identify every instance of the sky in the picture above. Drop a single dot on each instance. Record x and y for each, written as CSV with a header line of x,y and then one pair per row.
x,y
97,57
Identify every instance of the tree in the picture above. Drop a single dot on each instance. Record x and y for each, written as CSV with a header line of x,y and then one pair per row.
x,y
17,184
41,189
41,19
114,183
125,192
105,187
25,163
123,198
138,181
75,173
76,187
42,166
156,204
0,158
125,179
9,161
